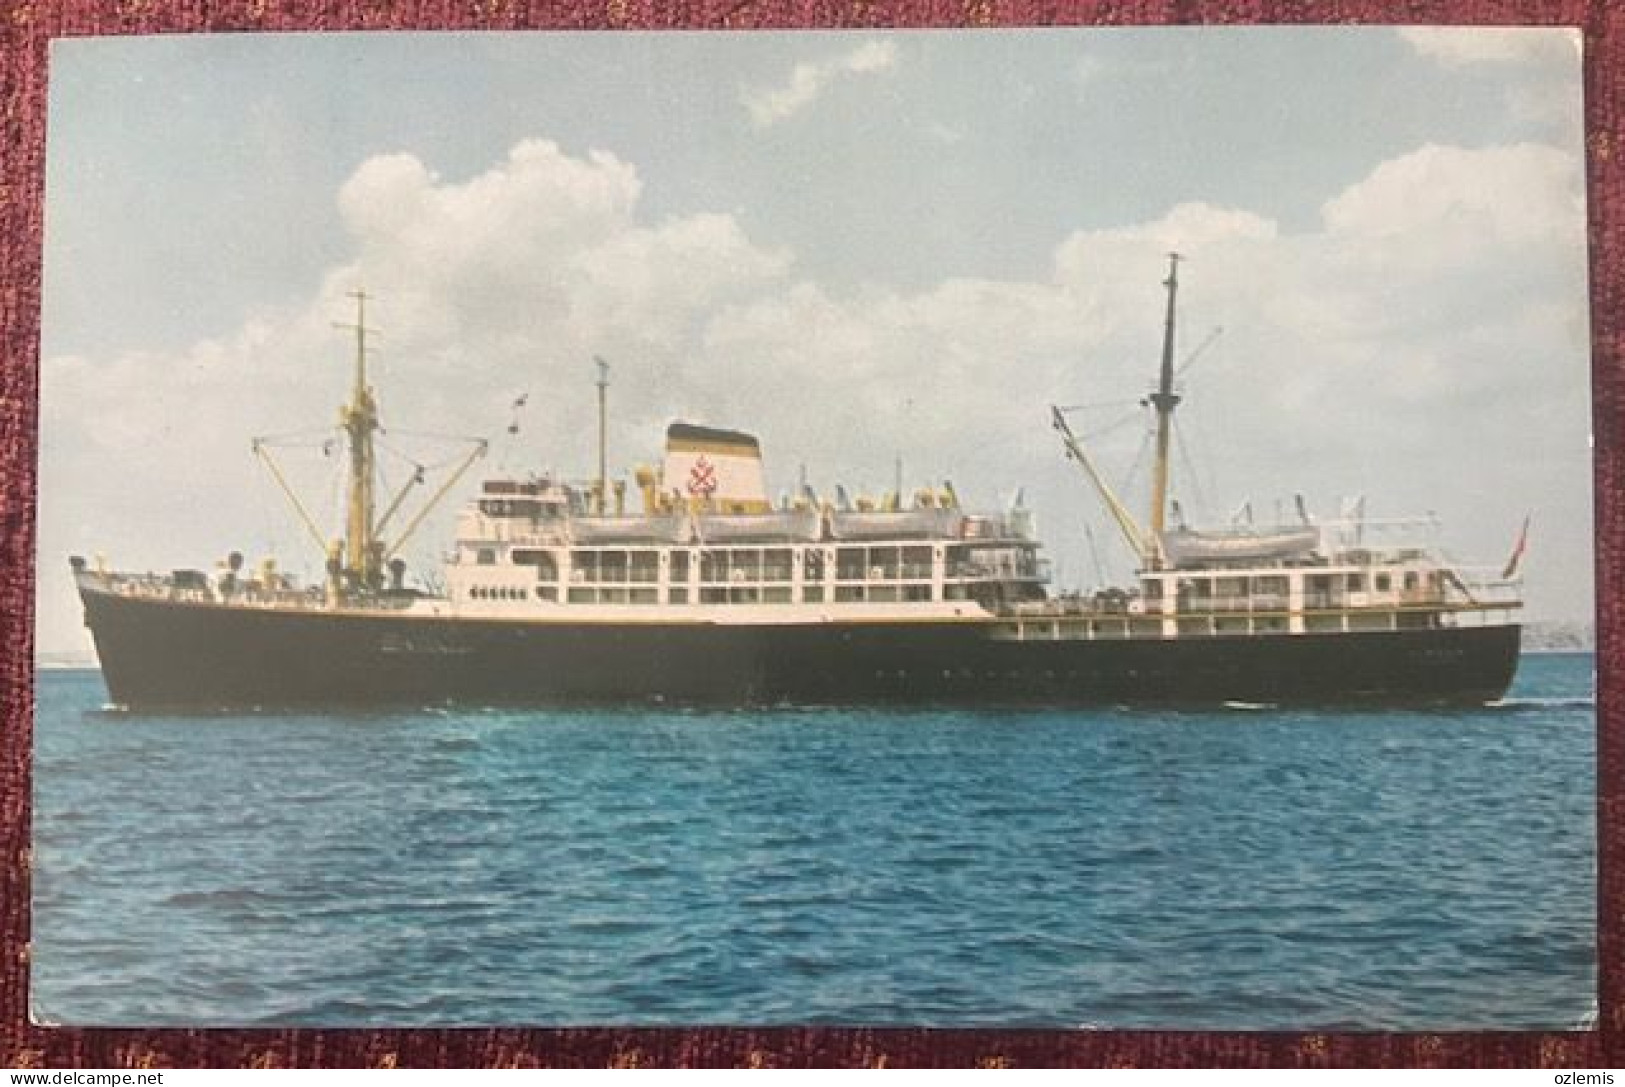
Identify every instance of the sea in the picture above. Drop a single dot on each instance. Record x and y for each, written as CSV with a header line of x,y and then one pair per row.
x,y
1244,868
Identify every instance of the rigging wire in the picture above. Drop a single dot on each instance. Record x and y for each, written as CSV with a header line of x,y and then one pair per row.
x,y
1198,492
417,466
422,434
335,503
269,535
309,438
1101,581
384,485
1100,405
1197,423
1112,427
1201,348
322,444
1130,480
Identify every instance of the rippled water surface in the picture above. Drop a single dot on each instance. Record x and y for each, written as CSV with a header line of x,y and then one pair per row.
x,y
1238,869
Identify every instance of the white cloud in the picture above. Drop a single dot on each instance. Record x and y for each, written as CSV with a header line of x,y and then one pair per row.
x,y
1470,193
1538,68
1439,304
508,281
544,251
808,80
1458,46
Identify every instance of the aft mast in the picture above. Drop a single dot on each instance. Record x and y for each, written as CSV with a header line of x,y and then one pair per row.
x,y
1164,400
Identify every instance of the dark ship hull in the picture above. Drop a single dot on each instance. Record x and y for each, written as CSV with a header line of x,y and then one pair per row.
x,y
161,654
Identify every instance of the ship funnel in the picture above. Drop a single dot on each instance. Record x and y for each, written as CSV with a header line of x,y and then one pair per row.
x,y
715,469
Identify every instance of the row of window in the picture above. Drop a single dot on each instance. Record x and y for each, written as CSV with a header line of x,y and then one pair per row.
x,y
1381,583
1272,585
1220,625
747,594
768,564
722,572
496,592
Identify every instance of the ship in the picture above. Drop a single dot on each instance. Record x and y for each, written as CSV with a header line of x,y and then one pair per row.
x,y
709,594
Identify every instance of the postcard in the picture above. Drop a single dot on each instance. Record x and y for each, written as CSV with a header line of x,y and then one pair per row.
x,y
1067,528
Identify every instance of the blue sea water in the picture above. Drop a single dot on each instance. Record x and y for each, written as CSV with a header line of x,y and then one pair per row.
x,y
1228,870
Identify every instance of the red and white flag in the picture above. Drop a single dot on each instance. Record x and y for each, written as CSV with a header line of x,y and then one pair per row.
x,y
1518,549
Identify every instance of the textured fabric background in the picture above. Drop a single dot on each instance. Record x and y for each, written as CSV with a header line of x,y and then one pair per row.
x,y
26,27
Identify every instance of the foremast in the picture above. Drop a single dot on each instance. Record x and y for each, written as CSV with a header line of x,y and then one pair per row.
x,y
363,552
356,561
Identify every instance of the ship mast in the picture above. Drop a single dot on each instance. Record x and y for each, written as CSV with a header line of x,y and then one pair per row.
x,y
363,554
355,562
1164,400
603,436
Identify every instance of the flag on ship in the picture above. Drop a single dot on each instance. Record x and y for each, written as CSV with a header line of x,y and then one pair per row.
x,y
1517,552
519,402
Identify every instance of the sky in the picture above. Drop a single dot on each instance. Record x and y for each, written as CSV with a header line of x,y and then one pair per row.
x,y
862,247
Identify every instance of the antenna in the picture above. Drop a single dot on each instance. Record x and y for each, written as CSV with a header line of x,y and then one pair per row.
x,y
603,434
359,327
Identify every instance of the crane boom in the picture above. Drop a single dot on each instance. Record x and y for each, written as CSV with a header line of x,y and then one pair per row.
x,y
299,507
1125,520
478,451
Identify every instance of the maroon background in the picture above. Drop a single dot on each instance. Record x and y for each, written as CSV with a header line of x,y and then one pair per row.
x,y
26,28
